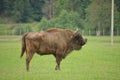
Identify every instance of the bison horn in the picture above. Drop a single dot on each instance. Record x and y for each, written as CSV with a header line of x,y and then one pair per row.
x,y
76,30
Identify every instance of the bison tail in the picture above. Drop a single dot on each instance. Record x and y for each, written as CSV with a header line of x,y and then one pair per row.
x,y
23,45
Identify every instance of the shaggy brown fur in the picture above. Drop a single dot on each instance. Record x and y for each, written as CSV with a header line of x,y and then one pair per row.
x,y
58,42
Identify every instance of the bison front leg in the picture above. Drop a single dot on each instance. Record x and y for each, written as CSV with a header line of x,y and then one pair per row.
x,y
28,59
58,60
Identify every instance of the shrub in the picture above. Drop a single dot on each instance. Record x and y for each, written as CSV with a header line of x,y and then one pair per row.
x,y
64,20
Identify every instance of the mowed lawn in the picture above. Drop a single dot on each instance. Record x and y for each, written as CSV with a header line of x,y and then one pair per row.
x,y
97,60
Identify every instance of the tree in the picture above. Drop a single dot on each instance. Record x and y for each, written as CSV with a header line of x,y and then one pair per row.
x,y
37,6
21,10
117,2
117,17
48,8
26,14
99,12
64,20
72,5
1,7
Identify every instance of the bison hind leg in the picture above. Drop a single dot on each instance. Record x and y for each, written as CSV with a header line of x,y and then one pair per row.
x,y
28,59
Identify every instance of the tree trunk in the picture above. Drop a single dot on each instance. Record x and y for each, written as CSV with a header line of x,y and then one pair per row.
x,y
98,31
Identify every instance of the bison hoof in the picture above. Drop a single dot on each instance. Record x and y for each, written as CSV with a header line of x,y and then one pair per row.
x,y
57,68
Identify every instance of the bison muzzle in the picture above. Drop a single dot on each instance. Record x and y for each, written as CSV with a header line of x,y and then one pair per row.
x,y
58,42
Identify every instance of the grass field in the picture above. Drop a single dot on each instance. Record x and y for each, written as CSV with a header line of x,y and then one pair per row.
x,y
97,60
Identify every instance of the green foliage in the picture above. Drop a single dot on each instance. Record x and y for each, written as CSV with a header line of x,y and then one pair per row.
x,y
1,20
117,2
117,14
21,10
99,13
70,19
93,15
37,9
64,20
21,30
44,24
72,5
27,12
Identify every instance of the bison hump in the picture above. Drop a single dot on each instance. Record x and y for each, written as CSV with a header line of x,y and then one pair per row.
x,y
54,30
35,36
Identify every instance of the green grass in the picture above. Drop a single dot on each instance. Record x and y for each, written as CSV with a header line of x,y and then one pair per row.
x,y
97,60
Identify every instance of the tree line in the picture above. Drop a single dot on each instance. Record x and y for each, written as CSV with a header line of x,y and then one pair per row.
x,y
89,15
21,11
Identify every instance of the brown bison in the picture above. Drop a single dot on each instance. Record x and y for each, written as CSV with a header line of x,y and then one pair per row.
x,y
58,42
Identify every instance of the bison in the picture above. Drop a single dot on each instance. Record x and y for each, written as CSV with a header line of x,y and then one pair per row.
x,y
58,42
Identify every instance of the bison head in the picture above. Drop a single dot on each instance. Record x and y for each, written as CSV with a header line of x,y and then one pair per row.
x,y
78,41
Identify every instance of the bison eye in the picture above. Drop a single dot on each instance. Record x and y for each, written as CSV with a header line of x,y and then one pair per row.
x,y
76,38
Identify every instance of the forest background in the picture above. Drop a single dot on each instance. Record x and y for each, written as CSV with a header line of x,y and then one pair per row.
x,y
91,17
